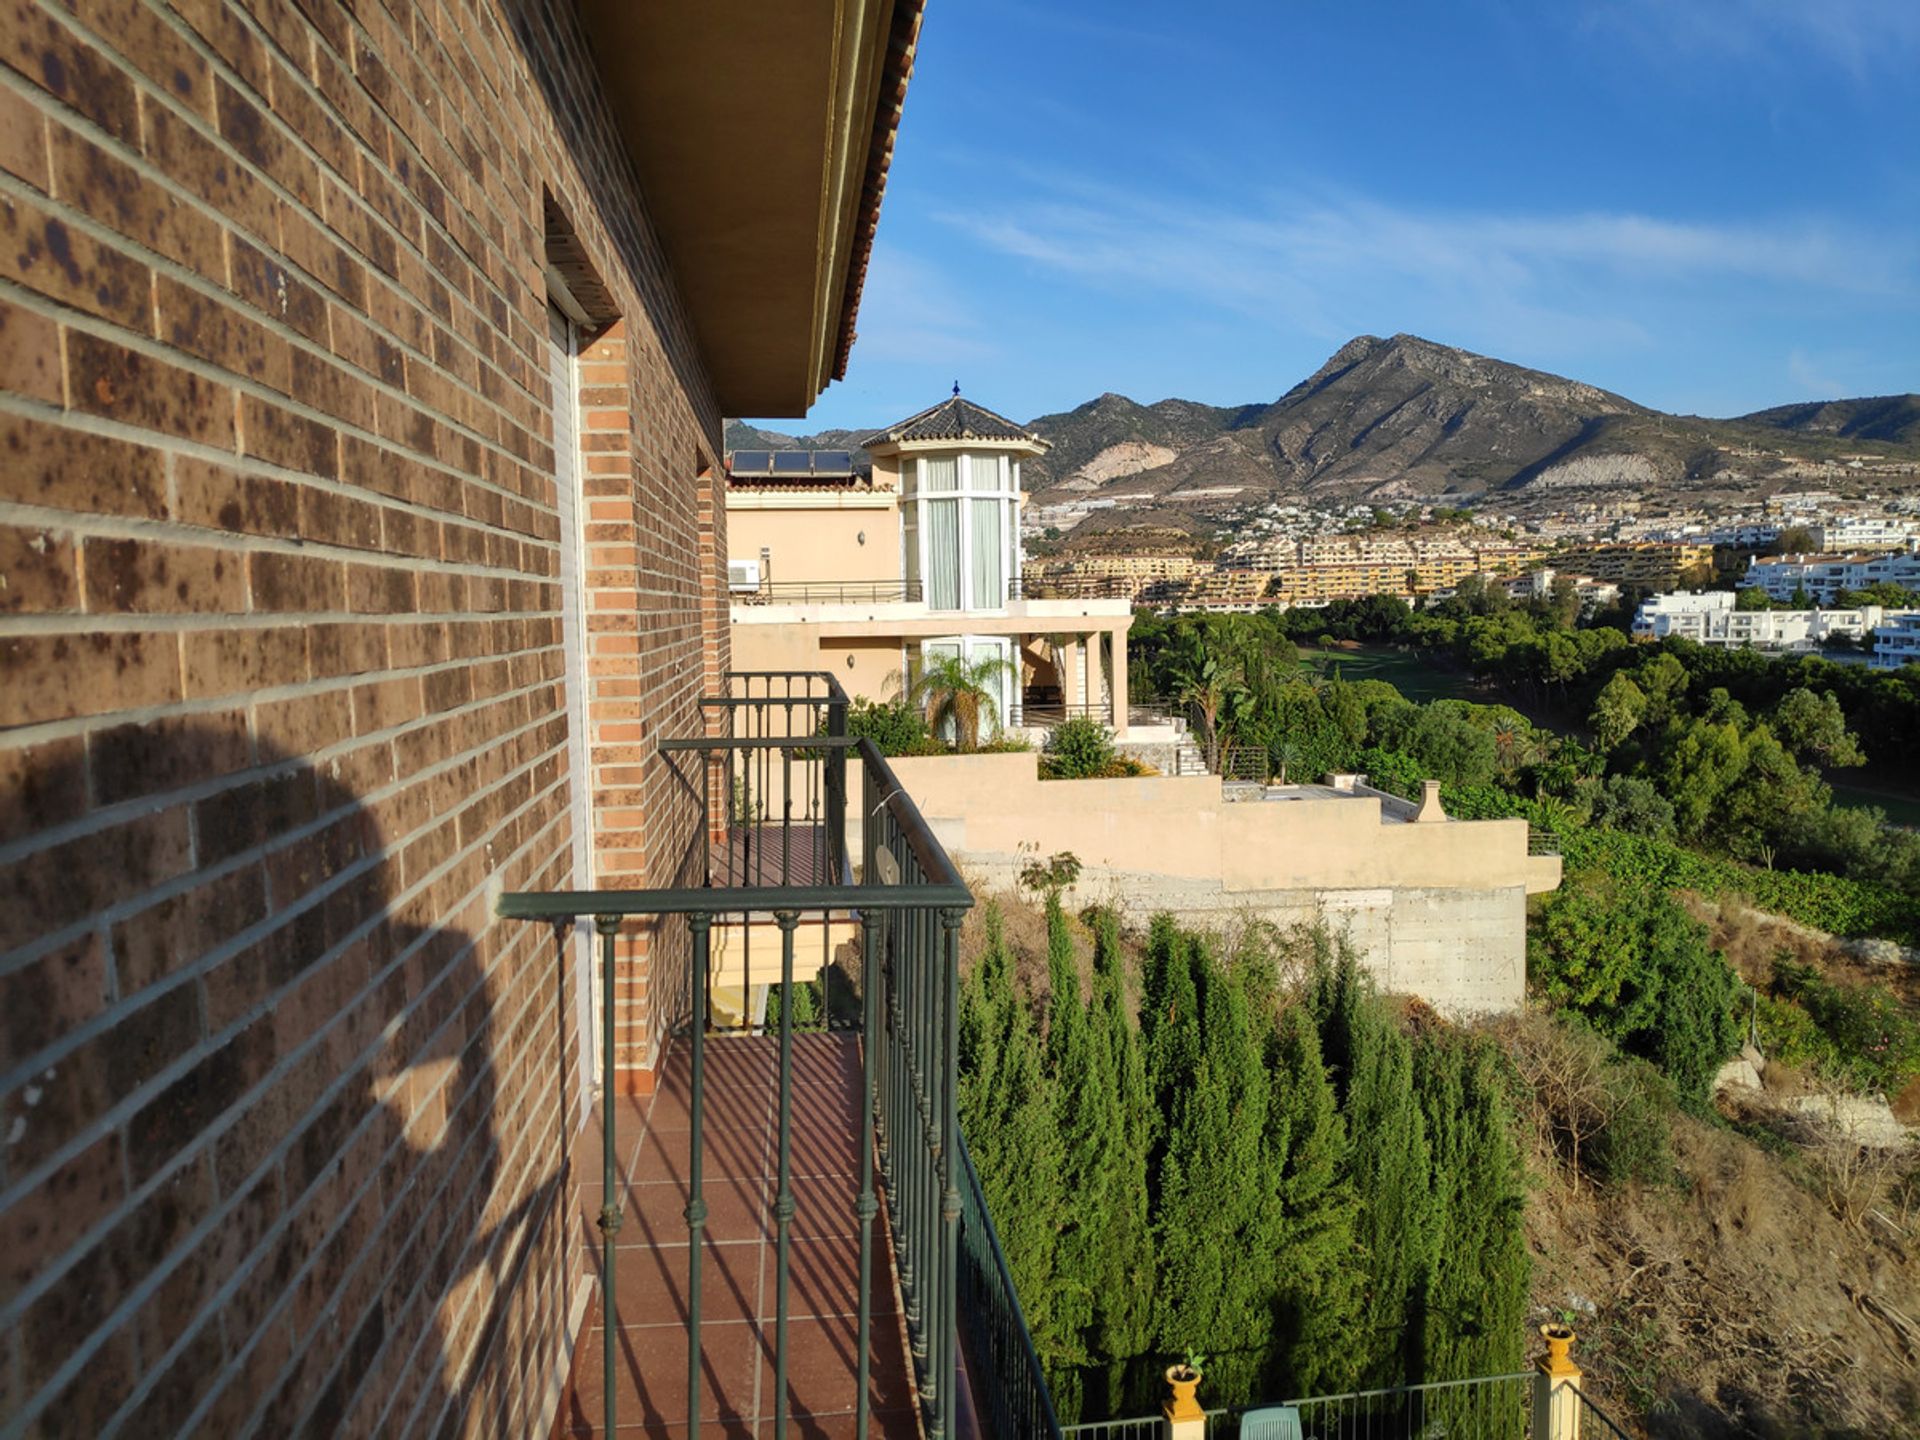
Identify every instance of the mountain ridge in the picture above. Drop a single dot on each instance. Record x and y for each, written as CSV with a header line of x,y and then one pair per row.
x,y
1404,418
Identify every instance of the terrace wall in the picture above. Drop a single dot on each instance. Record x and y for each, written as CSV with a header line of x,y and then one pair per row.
x,y
286,1115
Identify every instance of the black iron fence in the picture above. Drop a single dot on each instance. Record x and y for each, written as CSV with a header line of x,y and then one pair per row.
x,y
772,784
830,592
1000,1350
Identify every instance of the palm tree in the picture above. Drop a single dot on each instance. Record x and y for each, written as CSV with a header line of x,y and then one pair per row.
x,y
1213,688
952,687
1284,754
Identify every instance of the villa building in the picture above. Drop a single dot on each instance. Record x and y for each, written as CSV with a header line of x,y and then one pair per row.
x,y
868,576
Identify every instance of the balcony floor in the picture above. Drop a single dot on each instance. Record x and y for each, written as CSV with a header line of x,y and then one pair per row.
x,y
740,1261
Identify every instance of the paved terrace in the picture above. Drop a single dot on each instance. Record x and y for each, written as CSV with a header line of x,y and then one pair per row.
x,y
740,1265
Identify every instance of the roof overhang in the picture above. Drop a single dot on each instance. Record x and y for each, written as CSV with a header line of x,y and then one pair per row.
x,y
761,135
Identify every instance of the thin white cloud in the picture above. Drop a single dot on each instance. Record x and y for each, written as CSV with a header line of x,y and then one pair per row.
x,y
1864,38
1811,377
1329,264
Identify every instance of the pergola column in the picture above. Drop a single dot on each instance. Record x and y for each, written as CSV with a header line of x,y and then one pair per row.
x,y
1090,669
1117,639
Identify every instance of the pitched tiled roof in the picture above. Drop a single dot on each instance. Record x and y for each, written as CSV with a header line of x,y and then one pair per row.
x,y
953,419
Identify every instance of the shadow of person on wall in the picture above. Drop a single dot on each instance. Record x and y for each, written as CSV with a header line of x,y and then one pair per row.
x,y
249,1069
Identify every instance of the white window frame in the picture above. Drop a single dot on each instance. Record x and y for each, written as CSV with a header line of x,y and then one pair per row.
x,y
570,503
1005,488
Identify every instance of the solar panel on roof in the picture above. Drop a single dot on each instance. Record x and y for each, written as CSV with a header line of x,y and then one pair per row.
x,y
792,462
750,462
829,461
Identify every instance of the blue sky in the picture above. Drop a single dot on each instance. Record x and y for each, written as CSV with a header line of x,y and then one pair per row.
x,y
1707,205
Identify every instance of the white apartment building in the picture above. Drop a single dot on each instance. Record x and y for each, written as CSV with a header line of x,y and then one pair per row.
x,y
1896,642
1824,576
1863,532
1710,618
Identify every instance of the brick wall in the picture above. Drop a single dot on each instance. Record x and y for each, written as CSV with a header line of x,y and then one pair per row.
x,y
285,1115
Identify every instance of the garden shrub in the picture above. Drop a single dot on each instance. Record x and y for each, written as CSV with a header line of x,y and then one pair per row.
x,y
1635,1139
1077,749
1875,1040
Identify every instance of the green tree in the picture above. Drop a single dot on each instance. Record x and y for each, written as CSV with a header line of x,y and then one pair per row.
x,y
1009,1116
1217,1226
1617,711
1121,1263
1388,1162
1316,1304
1814,727
1473,1295
1629,960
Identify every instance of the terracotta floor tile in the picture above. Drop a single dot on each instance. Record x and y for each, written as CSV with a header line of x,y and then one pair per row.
x,y
823,1279
737,1280
653,1283
652,1371
820,1368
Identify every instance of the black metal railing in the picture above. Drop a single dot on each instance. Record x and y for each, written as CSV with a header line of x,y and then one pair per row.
x,y
772,783
831,592
1000,1351
1046,714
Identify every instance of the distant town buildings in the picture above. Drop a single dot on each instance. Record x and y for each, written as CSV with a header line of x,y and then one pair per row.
x,y
1712,618
1897,642
1823,577
1651,564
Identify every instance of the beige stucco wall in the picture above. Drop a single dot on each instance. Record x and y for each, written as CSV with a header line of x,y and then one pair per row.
x,y
817,536
1434,910
874,673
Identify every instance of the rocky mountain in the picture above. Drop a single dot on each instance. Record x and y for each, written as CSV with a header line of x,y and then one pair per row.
x,y
1400,418
1894,419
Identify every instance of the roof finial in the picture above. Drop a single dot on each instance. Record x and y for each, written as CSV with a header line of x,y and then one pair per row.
x,y
956,389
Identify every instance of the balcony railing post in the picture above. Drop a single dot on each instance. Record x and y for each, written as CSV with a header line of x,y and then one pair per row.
x,y
945,1315
783,1198
837,789
696,1211
611,1199
866,1206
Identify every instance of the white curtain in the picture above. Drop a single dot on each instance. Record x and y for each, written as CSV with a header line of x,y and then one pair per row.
x,y
943,554
989,553
940,472
983,472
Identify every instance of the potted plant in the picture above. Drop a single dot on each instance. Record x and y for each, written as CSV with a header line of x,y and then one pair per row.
x,y
1183,1378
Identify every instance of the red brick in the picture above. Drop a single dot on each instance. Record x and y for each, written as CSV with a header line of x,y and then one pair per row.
x,y
225,335
127,762
199,164
58,677
117,383
218,498
48,255
23,139
39,1226
224,662
283,438
38,572
29,352
48,996
68,68
143,577
109,190
296,582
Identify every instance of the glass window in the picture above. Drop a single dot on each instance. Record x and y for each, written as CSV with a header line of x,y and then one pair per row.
x,y
989,550
939,472
983,472
943,554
